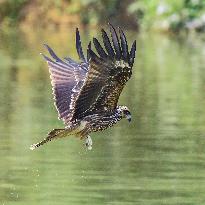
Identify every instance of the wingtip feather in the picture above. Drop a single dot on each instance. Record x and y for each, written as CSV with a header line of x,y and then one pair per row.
x,y
46,58
99,48
88,51
91,52
132,53
115,41
51,52
124,45
79,46
107,44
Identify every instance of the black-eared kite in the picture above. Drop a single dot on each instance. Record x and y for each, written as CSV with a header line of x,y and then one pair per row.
x,y
86,93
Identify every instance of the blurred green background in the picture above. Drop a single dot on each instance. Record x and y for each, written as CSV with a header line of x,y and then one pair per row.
x,y
158,159
166,15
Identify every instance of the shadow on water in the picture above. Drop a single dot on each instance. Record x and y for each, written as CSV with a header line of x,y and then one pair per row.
x,y
157,159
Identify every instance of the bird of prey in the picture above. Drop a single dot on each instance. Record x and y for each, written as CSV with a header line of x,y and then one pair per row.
x,y
86,93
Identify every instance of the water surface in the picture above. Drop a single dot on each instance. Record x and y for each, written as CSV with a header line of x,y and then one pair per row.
x,y
157,159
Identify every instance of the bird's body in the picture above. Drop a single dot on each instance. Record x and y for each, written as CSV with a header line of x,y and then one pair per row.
x,y
86,93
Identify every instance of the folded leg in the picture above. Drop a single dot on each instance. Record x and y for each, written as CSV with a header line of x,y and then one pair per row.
x,y
88,142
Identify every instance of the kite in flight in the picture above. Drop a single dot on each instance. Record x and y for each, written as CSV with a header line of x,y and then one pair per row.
x,y
86,93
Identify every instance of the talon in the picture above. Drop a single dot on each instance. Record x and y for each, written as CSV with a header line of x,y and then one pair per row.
x,y
88,142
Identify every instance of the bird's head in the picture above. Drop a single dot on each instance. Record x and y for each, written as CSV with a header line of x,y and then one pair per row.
x,y
125,112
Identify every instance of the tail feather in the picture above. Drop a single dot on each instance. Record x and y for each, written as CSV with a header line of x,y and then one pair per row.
x,y
53,134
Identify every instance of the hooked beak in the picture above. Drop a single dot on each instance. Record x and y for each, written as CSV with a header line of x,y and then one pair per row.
x,y
129,117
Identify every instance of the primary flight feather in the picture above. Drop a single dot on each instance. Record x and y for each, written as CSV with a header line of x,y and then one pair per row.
x,y
86,93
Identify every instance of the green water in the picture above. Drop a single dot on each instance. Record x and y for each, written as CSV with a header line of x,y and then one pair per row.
x,y
157,159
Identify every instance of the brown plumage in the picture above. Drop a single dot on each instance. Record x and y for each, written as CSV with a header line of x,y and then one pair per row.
x,y
86,93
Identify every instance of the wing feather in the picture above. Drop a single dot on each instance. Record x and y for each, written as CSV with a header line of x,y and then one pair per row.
x,y
124,45
88,54
107,44
106,77
67,78
79,47
99,48
52,53
97,82
115,41
132,53
96,79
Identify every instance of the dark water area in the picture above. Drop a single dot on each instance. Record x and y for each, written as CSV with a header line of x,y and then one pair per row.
x,y
159,158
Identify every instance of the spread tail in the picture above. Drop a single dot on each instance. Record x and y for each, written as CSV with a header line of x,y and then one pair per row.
x,y
53,134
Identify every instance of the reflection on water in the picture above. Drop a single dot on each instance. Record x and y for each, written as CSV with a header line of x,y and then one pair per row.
x,y
157,159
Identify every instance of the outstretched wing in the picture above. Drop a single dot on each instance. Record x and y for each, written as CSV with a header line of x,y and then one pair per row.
x,y
107,74
67,78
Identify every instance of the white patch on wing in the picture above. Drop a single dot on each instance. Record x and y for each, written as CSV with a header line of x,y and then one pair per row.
x,y
121,64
